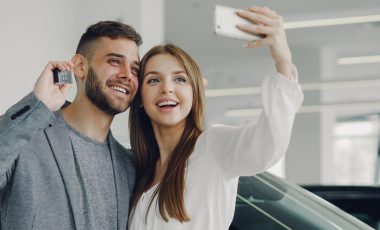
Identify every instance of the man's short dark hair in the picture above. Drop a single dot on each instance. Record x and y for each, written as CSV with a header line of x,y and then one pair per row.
x,y
110,29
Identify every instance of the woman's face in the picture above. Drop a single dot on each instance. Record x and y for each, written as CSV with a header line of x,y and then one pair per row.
x,y
166,92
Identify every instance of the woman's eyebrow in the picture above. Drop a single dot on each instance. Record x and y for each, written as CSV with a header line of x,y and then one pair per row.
x,y
151,72
179,71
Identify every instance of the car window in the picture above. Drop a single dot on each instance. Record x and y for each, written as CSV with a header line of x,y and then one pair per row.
x,y
268,202
362,202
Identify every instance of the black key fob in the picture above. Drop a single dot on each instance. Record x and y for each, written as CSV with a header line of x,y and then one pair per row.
x,y
62,77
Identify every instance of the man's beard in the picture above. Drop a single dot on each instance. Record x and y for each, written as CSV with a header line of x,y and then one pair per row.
x,y
98,97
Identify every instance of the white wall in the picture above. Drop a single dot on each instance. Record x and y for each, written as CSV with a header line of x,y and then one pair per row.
x,y
35,32
31,34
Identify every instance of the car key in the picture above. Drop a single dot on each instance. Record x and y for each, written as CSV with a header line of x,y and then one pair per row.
x,y
62,77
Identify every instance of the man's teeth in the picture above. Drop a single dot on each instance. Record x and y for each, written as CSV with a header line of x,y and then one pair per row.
x,y
117,88
167,103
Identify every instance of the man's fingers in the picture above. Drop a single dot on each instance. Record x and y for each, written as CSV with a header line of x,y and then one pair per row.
x,y
65,89
61,65
68,65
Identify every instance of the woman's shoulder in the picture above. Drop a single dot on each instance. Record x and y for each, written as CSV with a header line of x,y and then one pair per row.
x,y
211,133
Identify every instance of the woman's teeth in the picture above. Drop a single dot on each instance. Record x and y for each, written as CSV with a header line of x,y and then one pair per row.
x,y
167,103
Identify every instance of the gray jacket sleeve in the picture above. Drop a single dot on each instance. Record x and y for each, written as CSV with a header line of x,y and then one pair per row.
x,y
17,126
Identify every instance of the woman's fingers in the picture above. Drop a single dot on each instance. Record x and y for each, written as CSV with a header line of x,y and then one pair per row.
x,y
257,43
264,11
257,29
267,22
256,18
264,21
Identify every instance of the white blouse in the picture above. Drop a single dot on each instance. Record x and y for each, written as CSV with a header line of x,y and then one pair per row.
x,y
222,154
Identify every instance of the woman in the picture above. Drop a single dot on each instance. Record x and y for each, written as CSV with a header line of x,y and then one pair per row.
x,y
188,177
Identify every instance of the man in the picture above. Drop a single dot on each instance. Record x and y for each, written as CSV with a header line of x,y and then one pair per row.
x,y
62,168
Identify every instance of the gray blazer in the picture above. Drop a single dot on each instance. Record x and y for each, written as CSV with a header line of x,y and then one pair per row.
x,y
39,184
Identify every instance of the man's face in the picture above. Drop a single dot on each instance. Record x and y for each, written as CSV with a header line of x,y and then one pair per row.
x,y
111,82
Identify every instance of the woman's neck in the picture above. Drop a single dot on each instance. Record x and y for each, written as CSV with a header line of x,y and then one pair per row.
x,y
167,140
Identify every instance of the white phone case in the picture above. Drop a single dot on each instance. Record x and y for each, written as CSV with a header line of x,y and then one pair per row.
x,y
226,20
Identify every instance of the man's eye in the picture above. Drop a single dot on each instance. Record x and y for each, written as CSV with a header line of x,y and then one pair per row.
x,y
115,61
135,71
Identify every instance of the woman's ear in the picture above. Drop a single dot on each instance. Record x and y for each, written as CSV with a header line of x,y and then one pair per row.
x,y
80,66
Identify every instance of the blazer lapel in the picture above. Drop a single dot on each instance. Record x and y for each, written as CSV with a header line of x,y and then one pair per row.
x,y
62,150
119,161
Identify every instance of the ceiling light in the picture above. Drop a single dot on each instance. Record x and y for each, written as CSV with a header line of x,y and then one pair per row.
x,y
358,60
305,87
233,91
308,108
331,21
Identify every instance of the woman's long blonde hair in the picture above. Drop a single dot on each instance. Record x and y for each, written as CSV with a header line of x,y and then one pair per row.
x,y
170,191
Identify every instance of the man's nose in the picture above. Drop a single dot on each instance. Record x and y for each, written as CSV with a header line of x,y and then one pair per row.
x,y
125,73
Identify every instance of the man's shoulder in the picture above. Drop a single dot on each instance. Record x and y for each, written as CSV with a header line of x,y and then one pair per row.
x,y
117,144
120,148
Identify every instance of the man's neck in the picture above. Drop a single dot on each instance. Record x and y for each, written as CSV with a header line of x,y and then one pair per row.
x,y
88,119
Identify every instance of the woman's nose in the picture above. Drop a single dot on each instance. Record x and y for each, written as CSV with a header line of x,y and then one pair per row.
x,y
167,88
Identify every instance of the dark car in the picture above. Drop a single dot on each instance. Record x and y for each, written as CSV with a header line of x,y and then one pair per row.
x,y
363,202
268,202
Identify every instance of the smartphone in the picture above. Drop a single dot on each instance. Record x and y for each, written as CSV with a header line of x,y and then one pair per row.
x,y
62,77
225,21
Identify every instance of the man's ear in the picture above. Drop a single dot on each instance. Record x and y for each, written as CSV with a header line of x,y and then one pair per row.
x,y
80,66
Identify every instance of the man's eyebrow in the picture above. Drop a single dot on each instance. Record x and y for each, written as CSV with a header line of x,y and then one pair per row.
x,y
115,55
121,56
137,63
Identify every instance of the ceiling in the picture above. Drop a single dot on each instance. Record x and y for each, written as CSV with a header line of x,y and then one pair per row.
x,y
226,64
189,24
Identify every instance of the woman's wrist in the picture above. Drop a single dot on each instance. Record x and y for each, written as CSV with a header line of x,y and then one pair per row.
x,y
285,67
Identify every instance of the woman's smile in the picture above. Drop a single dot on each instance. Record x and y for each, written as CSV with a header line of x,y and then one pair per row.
x,y
166,91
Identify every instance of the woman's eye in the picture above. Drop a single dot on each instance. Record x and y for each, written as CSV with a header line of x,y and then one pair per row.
x,y
152,80
181,79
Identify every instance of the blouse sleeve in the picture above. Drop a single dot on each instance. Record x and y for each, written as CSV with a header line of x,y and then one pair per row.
x,y
255,147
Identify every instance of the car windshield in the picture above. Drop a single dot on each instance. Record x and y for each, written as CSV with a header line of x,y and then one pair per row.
x,y
267,202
